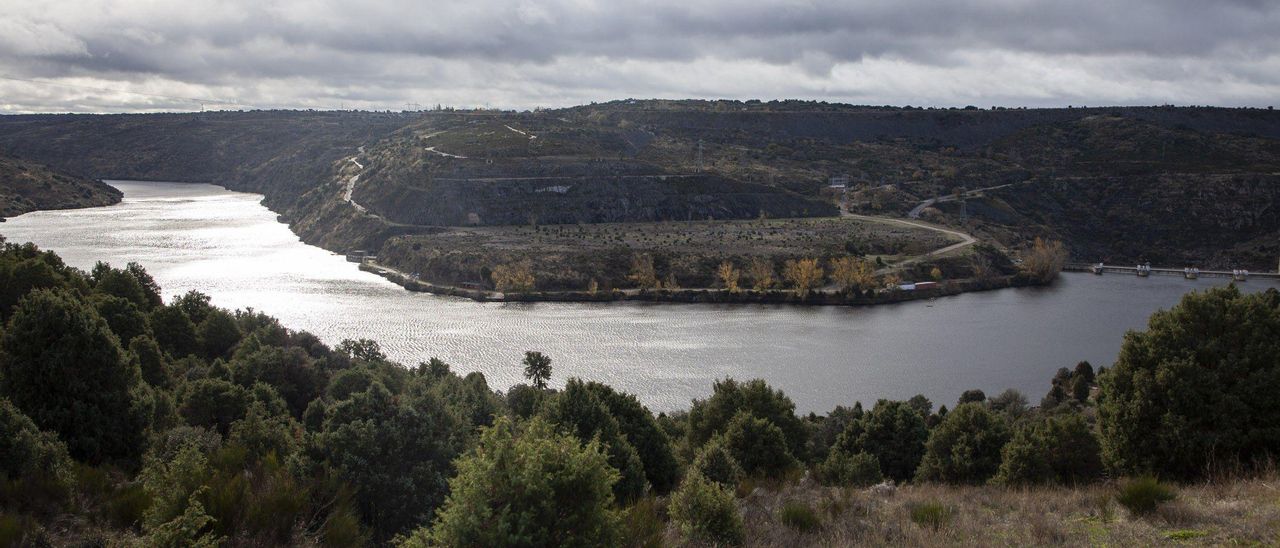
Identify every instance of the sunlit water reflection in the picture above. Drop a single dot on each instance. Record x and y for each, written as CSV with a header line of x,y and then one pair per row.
x,y
225,244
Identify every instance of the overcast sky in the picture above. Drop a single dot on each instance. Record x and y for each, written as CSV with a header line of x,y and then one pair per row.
x,y
379,54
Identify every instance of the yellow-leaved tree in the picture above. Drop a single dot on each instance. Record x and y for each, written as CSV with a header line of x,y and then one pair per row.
x,y
853,273
513,277
760,270
803,274
642,271
1044,260
728,275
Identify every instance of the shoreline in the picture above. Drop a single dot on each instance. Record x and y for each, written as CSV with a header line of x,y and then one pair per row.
x,y
702,295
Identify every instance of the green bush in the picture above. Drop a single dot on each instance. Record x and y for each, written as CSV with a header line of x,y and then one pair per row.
x,y
965,447
530,487
712,416
894,432
933,515
706,511
579,411
759,446
1059,449
799,516
717,464
1197,387
841,468
1143,495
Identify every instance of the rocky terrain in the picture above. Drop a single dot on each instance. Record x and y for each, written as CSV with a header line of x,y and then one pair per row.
x,y
27,186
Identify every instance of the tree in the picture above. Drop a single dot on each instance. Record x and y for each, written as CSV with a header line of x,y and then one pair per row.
x,y
712,416
213,403
936,274
537,368
1198,386
705,511
894,432
758,445
852,273
761,272
965,447
289,370
972,396
151,362
28,453
578,411
218,334
362,349
643,273
643,433
1058,449
1012,403
175,331
530,486
803,275
149,286
921,404
120,283
513,277
61,365
716,463
1044,260
396,455
728,275
124,318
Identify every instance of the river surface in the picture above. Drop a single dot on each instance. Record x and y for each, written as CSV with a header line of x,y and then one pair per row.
x,y
225,244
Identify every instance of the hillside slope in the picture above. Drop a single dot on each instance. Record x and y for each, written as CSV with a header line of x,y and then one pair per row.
x,y
27,186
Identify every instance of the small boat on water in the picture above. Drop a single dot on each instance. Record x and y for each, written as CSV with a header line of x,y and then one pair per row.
x,y
1098,268
1239,275
1144,270
1191,273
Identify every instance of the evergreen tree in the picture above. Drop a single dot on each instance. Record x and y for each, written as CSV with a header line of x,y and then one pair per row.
x,y
62,366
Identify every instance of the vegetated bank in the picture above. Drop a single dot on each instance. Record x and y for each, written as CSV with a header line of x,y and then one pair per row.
x,y
27,186
1110,183
216,427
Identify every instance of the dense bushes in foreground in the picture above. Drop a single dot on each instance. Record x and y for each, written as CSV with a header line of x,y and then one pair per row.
x,y
125,420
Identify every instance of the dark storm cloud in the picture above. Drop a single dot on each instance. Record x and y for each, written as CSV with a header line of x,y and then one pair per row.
x,y
523,53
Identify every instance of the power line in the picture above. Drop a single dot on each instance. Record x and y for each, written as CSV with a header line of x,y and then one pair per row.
x,y
200,101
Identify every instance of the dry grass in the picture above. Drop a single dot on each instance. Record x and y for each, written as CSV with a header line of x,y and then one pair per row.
x,y
1228,512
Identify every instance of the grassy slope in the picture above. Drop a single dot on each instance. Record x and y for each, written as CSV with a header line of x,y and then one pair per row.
x,y
27,186
1221,512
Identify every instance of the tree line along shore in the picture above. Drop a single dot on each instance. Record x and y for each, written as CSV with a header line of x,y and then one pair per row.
x,y
126,420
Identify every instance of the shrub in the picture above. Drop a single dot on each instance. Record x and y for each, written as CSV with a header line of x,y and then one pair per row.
x,y
844,469
758,446
965,447
533,487
1144,495
1061,449
799,516
706,511
894,432
716,463
712,416
933,515
1198,386
643,523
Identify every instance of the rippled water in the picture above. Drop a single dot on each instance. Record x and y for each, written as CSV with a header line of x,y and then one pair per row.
x,y
201,237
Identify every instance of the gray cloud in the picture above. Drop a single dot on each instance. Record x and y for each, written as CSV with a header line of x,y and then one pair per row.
x,y
522,53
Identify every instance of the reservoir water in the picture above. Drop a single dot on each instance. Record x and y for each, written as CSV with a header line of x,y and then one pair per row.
x,y
225,244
